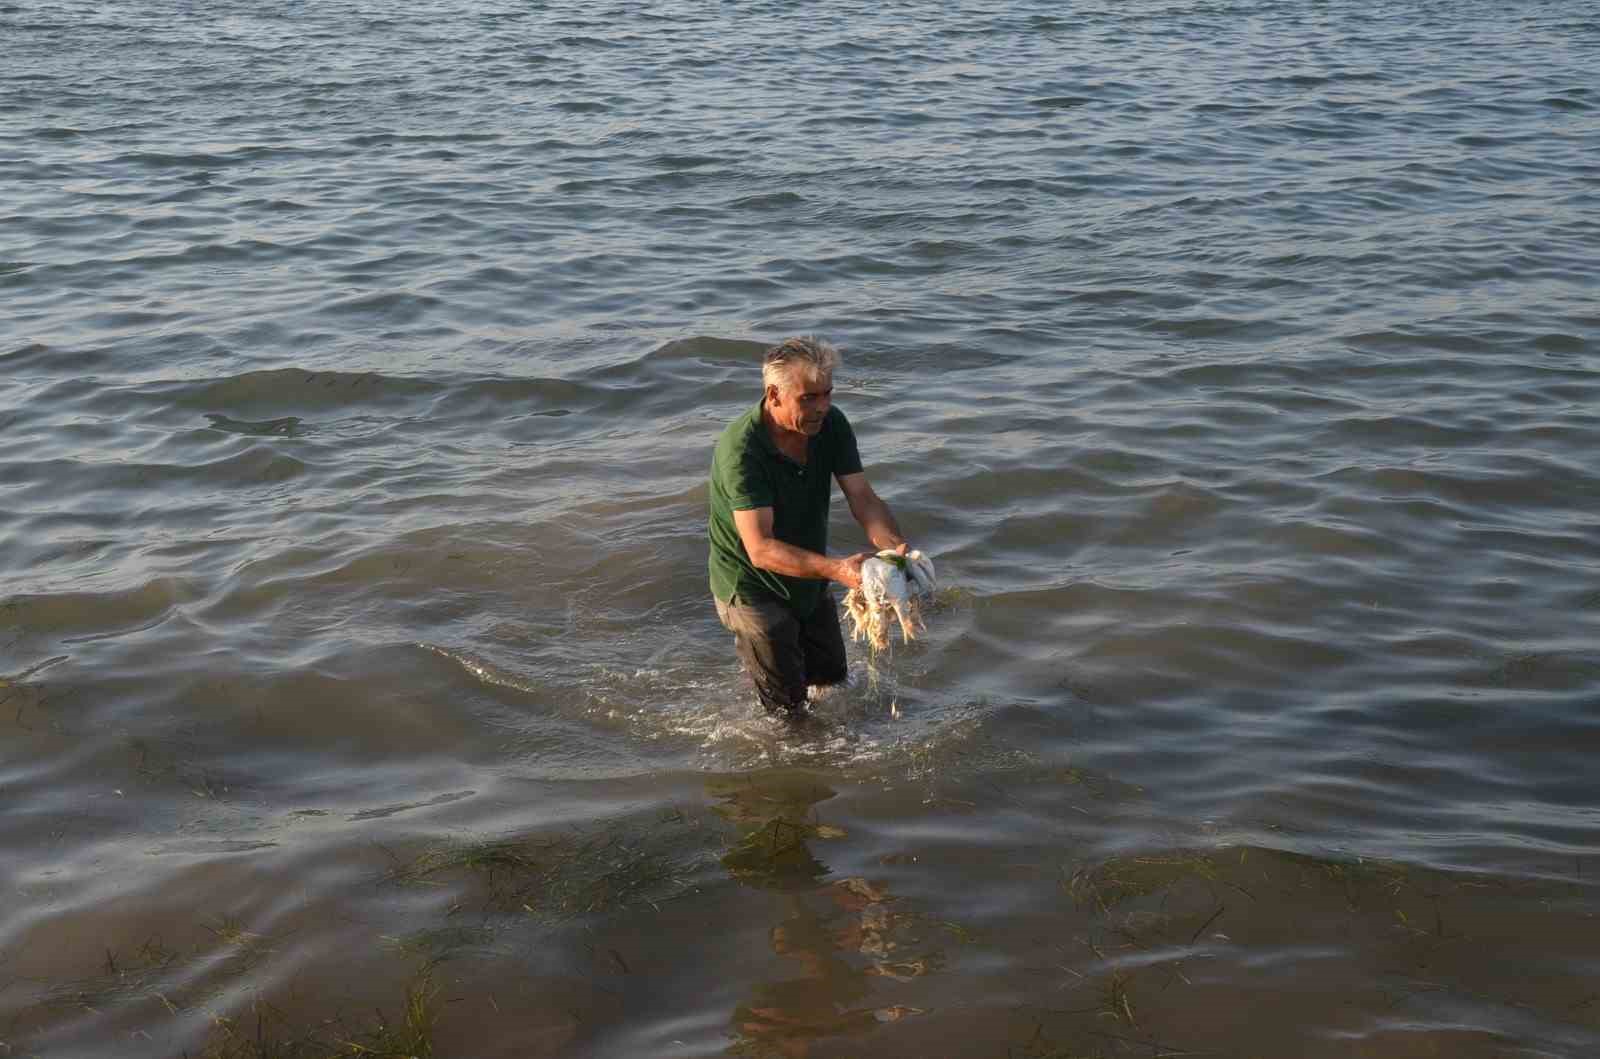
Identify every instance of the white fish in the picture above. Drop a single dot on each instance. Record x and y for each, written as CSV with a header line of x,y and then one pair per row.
x,y
890,584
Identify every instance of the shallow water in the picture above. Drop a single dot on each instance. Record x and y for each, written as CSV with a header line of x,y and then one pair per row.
x,y
1236,362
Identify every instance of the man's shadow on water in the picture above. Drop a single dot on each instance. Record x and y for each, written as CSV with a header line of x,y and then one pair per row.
x,y
842,934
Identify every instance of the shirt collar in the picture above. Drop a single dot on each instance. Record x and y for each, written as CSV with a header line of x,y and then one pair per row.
x,y
763,438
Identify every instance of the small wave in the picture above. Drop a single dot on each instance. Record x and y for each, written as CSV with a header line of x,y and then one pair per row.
x,y
275,401
1346,540
259,465
684,161
1559,343
99,615
287,426
1061,102
298,389
374,139
386,811
1005,184
774,201
210,847
393,308
941,249
1300,80
709,348
192,160
31,355
588,184
482,671
690,712
582,41
1219,327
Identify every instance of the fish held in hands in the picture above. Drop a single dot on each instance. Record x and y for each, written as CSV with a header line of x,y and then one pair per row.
x,y
892,589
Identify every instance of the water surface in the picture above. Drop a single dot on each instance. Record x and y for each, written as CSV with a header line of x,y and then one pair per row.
x,y
359,368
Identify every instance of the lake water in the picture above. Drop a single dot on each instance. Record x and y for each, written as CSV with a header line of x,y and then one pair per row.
x,y
1237,363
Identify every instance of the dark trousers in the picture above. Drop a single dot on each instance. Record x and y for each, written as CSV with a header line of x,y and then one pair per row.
x,y
782,653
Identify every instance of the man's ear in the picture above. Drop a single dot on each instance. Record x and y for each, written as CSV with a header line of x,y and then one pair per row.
x,y
772,394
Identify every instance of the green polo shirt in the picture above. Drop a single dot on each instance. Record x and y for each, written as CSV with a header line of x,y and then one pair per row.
x,y
747,472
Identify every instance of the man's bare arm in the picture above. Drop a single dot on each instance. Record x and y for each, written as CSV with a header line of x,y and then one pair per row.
x,y
769,553
870,510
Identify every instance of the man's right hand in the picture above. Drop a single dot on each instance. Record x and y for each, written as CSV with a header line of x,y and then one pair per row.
x,y
848,572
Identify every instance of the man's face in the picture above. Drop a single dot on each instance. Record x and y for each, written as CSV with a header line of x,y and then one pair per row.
x,y
801,404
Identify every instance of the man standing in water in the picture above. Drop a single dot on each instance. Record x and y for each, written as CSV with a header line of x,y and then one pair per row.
x,y
771,482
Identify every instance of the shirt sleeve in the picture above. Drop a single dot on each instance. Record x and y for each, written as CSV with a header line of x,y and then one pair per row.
x,y
846,456
745,482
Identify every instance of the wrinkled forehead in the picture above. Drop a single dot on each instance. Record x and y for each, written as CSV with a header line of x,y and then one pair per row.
x,y
811,382
804,379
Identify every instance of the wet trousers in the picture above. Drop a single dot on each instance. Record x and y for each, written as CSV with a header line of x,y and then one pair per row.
x,y
784,654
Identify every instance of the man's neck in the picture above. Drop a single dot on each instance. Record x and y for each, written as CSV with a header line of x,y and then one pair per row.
x,y
794,444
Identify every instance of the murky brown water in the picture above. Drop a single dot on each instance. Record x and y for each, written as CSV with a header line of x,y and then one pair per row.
x,y
358,374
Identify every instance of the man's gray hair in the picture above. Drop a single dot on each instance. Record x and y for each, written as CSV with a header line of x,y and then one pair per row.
x,y
802,356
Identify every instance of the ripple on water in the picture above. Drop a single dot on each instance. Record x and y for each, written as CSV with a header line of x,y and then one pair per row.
x,y
1233,363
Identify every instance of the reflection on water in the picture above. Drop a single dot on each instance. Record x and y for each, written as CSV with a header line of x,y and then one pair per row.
x,y
842,934
841,937
773,813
